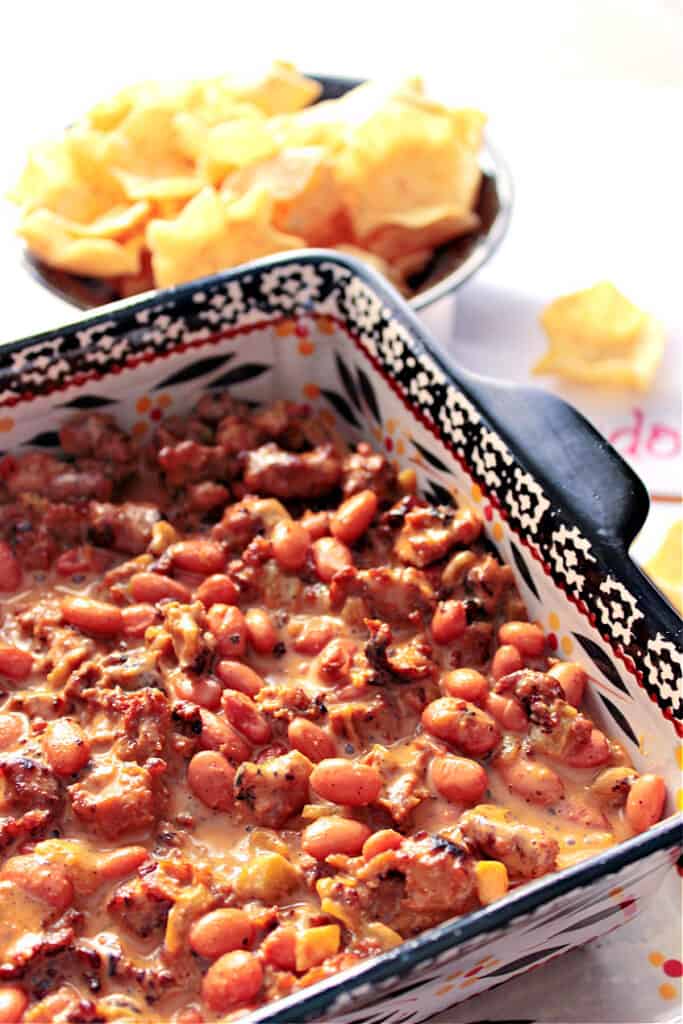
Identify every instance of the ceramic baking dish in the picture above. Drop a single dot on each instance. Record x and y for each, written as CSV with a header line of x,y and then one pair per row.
x,y
559,505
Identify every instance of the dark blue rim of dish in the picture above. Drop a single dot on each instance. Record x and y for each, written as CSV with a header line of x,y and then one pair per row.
x,y
494,204
666,835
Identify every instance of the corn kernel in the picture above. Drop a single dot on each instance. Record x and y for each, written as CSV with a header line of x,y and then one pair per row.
x,y
163,535
266,877
314,945
492,881
407,481
385,935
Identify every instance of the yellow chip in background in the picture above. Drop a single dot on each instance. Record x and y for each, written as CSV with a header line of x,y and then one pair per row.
x,y
146,155
48,237
666,565
235,144
598,337
418,230
212,233
402,160
279,89
238,166
305,192
371,259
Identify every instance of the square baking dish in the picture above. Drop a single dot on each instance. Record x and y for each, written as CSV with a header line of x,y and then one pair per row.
x,y
559,505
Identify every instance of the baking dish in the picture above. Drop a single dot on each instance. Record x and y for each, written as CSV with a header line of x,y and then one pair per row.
x,y
559,504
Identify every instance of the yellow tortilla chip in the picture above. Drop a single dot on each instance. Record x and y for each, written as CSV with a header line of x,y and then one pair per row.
x,y
50,240
666,566
235,144
384,168
408,234
372,260
597,336
212,233
305,193
146,155
279,90
402,161
59,177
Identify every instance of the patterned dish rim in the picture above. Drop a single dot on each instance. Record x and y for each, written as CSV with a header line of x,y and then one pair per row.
x,y
482,245
610,544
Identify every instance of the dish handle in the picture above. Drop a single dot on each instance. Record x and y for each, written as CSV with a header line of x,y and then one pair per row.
x,y
577,467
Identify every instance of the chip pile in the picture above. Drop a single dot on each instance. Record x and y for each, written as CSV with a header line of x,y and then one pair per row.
x,y
163,184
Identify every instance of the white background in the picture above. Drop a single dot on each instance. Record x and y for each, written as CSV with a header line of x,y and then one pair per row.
x,y
585,100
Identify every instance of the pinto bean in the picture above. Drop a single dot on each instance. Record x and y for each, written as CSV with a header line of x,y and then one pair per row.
x,y
203,690
346,782
221,931
217,589
13,1002
572,678
527,637
449,621
10,570
466,683
334,835
507,711
66,747
315,634
15,662
380,842
47,882
591,754
534,782
243,714
458,779
279,948
122,862
290,541
238,676
316,524
211,778
330,557
234,978
227,624
96,618
261,632
506,660
217,734
463,724
333,664
12,728
310,740
199,556
152,587
137,618
353,517
645,802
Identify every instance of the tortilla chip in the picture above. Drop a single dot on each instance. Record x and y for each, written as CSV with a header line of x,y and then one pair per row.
x,y
597,336
666,566
279,90
402,161
50,240
212,233
305,193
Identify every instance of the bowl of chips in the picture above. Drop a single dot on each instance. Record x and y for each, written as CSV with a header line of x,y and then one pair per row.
x,y
162,184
